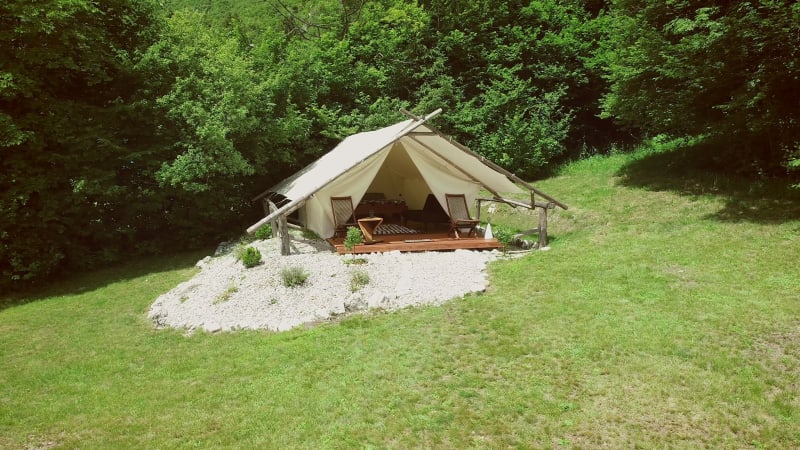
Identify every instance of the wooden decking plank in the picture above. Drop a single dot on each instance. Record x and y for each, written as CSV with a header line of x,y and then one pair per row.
x,y
424,243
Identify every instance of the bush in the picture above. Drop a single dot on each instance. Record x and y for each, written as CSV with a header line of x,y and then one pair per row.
x,y
250,257
503,235
294,276
354,237
264,232
358,279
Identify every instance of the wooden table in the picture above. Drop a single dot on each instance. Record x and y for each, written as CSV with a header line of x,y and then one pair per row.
x,y
368,226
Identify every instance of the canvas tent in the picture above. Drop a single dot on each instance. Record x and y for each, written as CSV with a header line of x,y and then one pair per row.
x,y
406,161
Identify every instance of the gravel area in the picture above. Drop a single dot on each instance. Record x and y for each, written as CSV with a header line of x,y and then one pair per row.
x,y
225,296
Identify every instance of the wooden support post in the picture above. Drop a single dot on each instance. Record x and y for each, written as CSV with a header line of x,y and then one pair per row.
x,y
283,226
542,228
271,208
280,228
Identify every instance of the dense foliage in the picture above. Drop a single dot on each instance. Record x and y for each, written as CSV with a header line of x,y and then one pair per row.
x,y
727,71
70,185
130,126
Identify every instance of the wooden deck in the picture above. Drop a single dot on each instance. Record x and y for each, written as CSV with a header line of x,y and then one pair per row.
x,y
421,242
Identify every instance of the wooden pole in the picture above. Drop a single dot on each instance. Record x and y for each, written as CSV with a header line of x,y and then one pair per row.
x,y
463,172
271,209
542,228
283,228
419,121
496,167
541,206
283,210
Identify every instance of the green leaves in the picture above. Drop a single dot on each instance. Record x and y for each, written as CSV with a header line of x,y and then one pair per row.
x,y
215,100
726,72
65,85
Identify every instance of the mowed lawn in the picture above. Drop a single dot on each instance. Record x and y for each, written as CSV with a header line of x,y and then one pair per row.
x,y
665,314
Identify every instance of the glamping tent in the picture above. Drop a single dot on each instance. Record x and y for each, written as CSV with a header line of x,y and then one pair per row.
x,y
406,161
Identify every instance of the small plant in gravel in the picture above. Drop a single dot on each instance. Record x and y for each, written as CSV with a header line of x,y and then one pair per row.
x,y
250,257
264,232
358,279
225,296
353,238
355,261
294,276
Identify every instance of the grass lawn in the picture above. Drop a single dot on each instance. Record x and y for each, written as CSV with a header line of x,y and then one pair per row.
x,y
666,314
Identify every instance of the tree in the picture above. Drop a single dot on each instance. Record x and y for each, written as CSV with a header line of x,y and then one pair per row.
x,y
521,78
66,80
727,71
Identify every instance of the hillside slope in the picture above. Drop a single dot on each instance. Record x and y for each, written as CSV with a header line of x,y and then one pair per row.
x,y
666,314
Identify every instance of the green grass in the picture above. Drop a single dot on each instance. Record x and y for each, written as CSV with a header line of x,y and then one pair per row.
x,y
666,314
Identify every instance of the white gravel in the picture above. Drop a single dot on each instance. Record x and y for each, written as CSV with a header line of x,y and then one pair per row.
x,y
225,296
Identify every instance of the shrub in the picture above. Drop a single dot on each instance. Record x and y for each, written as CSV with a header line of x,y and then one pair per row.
x,y
294,276
503,235
264,232
354,237
250,257
358,279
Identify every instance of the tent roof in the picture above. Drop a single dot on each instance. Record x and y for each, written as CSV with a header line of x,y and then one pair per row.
x,y
362,146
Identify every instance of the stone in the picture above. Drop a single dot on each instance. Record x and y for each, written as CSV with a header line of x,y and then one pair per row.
x,y
355,302
335,309
203,262
224,248
212,327
379,301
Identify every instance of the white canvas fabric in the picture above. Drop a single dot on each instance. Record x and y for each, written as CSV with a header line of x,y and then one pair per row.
x,y
399,161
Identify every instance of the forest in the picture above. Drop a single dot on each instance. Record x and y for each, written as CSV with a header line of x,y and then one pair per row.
x,y
139,127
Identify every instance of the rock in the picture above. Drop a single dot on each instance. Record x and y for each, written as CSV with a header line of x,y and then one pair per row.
x,y
355,302
331,310
159,318
224,248
203,262
212,327
379,301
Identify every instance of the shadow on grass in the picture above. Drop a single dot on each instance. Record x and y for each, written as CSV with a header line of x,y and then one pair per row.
x,y
695,171
80,283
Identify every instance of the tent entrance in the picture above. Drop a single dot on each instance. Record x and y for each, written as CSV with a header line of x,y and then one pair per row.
x,y
399,179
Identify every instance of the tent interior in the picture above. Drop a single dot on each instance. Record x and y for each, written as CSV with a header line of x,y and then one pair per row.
x,y
399,179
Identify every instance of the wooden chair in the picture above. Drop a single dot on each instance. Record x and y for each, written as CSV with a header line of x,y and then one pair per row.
x,y
459,216
343,215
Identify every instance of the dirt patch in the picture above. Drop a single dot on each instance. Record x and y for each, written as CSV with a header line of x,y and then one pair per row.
x,y
779,355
